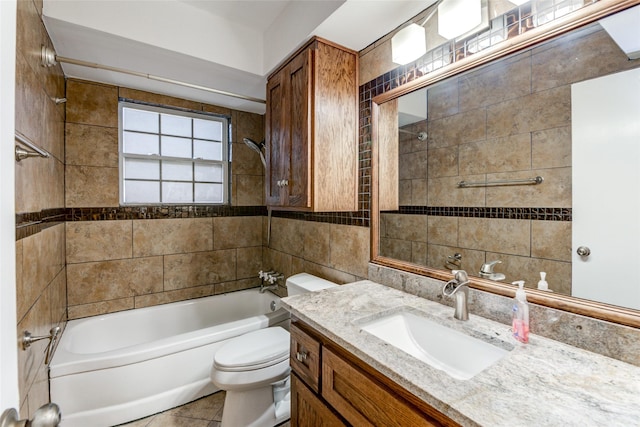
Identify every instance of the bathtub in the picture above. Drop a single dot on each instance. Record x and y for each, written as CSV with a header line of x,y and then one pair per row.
x,y
119,367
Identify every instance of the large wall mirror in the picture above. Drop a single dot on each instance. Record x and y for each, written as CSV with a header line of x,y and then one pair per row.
x,y
521,160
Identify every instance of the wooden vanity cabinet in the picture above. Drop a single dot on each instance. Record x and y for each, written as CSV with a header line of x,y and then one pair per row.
x,y
312,130
346,390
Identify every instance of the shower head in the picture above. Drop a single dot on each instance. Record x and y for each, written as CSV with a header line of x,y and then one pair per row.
x,y
257,147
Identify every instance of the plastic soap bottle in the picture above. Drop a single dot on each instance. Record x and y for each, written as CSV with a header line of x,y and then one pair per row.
x,y
520,324
542,284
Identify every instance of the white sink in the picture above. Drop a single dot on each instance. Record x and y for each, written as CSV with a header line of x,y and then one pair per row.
x,y
458,354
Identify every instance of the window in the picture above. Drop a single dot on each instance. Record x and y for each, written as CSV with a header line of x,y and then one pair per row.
x,y
172,157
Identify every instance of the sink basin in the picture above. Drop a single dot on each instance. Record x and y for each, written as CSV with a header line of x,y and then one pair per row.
x,y
458,354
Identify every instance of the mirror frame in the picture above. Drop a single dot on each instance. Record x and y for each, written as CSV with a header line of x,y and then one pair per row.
x,y
586,15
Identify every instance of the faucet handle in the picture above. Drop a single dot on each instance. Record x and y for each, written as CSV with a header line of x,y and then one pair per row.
x,y
460,276
488,267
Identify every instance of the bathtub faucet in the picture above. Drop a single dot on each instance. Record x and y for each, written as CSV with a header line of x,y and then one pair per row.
x,y
270,277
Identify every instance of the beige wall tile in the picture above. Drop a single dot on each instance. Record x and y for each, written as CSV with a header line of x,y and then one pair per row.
x,y
216,109
39,391
551,240
551,148
197,269
317,242
442,162
236,285
54,138
528,269
592,55
507,236
29,101
472,260
278,261
249,262
488,85
376,62
459,129
445,191
172,236
249,190
173,296
554,192
92,103
286,235
413,165
512,153
31,360
154,98
91,145
99,240
248,125
58,298
39,184
102,307
406,227
331,274
541,110
395,248
87,186
442,230
108,280
350,249
442,99
237,232
419,253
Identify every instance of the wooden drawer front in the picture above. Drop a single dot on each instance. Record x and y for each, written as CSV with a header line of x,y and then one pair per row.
x,y
305,357
307,410
363,402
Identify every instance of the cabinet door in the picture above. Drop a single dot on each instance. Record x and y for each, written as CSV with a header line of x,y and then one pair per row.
x,y
362,401
298,117
307,410
276,128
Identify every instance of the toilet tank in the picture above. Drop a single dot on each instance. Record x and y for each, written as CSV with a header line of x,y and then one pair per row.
x,y
303,282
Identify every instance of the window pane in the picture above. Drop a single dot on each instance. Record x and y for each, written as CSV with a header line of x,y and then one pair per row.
x,y
141,192
141,169
210,173
177,192
207,129
177,171
144,121
208,193
207,150
140,143
176,147
175,125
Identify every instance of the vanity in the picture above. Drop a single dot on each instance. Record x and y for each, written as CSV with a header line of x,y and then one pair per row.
x,y
344,375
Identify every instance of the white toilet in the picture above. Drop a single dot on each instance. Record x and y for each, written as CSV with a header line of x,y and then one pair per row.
x,y
254,369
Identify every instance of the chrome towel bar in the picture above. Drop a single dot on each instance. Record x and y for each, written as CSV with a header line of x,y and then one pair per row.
x,y
22,153
527,181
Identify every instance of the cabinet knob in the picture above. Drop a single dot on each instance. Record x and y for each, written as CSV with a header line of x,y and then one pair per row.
x,y
301,356
285,182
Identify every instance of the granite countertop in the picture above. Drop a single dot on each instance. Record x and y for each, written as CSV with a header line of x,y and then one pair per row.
x,y
542,383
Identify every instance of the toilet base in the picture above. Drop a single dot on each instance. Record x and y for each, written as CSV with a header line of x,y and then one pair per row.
x,y
260,407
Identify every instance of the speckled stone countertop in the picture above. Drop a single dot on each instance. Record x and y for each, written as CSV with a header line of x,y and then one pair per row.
x,y
542,383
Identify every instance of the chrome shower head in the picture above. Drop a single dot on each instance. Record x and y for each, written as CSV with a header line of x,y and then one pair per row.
x,y
257,147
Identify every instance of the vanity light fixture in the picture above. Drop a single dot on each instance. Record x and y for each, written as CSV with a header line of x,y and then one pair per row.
x,y
457,17
408,44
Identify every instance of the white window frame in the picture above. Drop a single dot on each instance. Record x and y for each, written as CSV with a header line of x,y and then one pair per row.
x,y
122,156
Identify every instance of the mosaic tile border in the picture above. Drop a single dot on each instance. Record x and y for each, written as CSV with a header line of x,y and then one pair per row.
x,y
342,218
28,224
536,214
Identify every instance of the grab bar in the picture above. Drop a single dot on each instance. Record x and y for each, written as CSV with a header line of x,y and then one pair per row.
x,y
22,154
527,181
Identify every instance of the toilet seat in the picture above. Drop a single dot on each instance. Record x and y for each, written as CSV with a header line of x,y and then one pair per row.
x,y
254,350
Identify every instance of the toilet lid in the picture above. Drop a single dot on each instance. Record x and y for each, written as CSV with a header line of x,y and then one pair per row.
x,y
254,350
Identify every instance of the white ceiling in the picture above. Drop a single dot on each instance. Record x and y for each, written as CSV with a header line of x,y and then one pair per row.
x,y
226,45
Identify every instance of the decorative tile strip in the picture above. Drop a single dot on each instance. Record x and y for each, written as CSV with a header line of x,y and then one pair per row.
x,y
30,223
359,218
161,212
537,214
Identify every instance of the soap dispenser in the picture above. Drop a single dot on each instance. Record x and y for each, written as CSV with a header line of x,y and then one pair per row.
x,y
520,323
542,284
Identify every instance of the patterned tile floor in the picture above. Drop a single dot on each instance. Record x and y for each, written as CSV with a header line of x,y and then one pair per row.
x,y
204,412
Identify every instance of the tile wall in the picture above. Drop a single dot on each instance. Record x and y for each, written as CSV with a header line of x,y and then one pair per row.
x,y
40,257
122,258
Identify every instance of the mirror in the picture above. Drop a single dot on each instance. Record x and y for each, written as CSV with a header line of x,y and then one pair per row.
x,y
482,167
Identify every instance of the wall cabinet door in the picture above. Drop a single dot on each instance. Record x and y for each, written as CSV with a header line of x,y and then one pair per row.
x,y
311,130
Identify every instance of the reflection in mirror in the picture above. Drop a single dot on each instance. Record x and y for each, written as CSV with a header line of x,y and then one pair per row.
x,y
499,127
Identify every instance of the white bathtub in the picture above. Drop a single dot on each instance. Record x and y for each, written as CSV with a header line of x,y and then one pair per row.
x,y
119,367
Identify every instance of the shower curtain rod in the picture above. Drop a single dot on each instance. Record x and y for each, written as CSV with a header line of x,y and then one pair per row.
x,y
47,59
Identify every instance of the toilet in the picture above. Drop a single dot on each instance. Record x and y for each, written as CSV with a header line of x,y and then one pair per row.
x,y
254,369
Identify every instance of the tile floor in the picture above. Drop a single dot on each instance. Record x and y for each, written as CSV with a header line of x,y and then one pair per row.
x,y
204,412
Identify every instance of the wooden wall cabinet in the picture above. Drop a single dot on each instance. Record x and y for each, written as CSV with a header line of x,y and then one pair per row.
x,y
347,391
312,130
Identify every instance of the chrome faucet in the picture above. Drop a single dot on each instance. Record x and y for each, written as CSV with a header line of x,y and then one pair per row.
x,y
486,271
458,287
